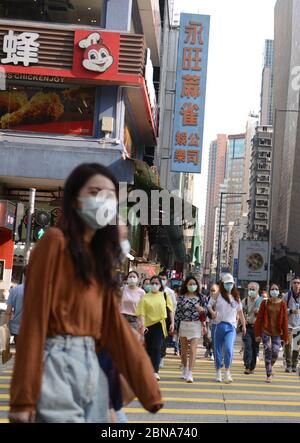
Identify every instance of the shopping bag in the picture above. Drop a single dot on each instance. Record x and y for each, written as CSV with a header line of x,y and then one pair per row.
x,y
5,344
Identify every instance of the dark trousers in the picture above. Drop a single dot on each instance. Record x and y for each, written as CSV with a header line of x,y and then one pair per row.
x,y
154,340
251,348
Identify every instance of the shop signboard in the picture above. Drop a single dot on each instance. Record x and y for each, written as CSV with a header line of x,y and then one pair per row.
x,y
253,260
189,110
7,214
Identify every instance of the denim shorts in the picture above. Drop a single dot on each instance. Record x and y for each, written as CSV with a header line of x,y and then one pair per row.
x,y
74,388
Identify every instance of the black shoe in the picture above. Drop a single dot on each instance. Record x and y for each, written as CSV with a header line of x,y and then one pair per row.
x,y
294,369
288,369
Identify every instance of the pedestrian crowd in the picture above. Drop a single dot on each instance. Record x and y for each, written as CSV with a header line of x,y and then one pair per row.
x,y
86,345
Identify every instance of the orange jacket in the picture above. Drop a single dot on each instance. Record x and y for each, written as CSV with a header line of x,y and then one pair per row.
x,y
263,323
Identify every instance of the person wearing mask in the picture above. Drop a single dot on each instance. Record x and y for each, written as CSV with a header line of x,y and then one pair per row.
x,y
189,317
251,305
167,290
228,307
131,296
291,351
146,285
152,313
271,324
214,293
15,308
70,308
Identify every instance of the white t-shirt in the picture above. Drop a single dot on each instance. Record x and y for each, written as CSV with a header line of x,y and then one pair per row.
x,y
172,295
227,312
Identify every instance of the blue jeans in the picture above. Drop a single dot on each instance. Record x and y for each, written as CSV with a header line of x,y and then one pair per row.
x,y
225,335
213,328
74,387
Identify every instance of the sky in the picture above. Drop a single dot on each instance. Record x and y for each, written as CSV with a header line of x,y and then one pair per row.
x,y
238,30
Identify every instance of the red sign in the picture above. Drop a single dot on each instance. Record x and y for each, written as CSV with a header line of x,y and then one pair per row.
x,y
96,54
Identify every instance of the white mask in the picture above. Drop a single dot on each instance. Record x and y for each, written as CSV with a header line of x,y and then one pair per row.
x,y
97,212
274,293
132,281
164,283
125,247
155,287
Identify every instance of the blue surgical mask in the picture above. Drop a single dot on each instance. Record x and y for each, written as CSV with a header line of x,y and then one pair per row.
x,y
251,293
147,288
274,293
228,287
192,288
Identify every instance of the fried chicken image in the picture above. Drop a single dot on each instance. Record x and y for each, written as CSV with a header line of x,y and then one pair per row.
x,y
42,107
74,94
12,100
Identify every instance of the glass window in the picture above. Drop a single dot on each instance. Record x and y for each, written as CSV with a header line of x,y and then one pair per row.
x,y
54,11
239,148
65,110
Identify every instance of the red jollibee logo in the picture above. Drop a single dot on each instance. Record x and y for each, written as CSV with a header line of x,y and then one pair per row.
x,y
97,56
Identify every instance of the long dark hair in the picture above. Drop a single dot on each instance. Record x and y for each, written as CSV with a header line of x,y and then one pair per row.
x,y
184,286
105,245
157,277
235,293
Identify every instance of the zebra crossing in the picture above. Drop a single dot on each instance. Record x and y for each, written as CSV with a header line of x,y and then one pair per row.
x,y
247,399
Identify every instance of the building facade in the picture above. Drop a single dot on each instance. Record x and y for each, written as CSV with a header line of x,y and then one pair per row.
x,y
266,103
285,211
260,184
216,174
77,86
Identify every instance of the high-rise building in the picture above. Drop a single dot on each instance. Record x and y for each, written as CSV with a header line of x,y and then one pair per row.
x,y
260,184
216,173
267,85
285,215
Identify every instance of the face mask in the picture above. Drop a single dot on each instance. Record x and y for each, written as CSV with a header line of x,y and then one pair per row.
x,y
132,281
164,283
97,212
251,293
155,287
192,288
274,293
147,288
228,287
125,247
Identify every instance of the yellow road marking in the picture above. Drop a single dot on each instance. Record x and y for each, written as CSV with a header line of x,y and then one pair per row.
x,y
254,385
6,396
217,412
4,420
232,391
233,402
4,408
4,385
236,377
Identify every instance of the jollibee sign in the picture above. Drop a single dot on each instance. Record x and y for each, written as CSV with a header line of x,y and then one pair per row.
x,y
96,54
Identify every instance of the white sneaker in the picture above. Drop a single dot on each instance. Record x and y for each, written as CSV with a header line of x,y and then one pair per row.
x,y
228,378
184,373
161,364
219,376
212,357
189,377
156,375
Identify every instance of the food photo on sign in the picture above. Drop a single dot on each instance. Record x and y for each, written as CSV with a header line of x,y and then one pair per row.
x,y
67,110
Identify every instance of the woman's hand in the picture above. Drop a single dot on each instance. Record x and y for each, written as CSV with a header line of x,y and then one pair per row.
x,y
257,339
22,417
171,329
244,329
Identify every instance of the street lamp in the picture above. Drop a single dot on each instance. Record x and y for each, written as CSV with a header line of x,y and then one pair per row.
x,y
271,196
220,229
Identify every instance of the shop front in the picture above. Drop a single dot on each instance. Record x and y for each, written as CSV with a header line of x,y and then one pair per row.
x,y
7,223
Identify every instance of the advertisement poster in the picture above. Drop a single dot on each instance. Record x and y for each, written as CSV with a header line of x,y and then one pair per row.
x,y
253,260
67,110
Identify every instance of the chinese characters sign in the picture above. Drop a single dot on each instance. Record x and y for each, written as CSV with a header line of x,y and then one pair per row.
x,y
20,48
190,93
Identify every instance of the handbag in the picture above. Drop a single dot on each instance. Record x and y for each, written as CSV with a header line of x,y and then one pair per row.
x,y
168,319
6,355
